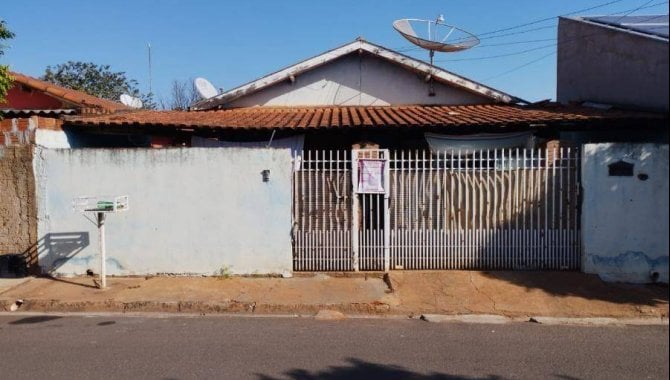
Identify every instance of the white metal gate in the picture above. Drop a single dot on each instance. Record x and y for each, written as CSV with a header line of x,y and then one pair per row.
x,y
322,204
498,209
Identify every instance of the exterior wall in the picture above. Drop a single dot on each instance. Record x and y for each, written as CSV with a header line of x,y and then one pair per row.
x,y
192,210
625,219
18,224
357,80
636,71
19,97
52,139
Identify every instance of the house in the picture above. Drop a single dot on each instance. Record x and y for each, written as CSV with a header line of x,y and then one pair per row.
x,y
363,92
32,110
452,174
614,60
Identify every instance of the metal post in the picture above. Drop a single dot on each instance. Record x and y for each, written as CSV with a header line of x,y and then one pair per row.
x,y
354,210
103,269
387,213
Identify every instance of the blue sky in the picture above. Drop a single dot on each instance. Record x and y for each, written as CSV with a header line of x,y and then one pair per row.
x,y
233,42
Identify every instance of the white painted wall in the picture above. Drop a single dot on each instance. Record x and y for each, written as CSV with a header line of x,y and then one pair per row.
x,y
625,219
357,80
192,210
51,139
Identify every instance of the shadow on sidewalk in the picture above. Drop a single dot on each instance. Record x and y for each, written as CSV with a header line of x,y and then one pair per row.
x,y
585,286
70,282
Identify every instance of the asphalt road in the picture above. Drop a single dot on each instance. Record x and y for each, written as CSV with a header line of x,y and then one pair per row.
x,y
104,347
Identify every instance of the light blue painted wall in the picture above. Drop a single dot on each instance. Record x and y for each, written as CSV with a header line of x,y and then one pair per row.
x,y
625,219
192,210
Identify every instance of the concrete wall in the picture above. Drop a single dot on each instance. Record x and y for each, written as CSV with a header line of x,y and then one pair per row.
x,y
18,226
192,210
357,80
602,64
625,219
52,139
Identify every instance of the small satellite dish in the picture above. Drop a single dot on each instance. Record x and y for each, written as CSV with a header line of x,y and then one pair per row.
x,y
435,35
205,88
130,101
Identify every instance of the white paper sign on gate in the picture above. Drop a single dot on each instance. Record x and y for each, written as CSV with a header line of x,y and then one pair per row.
x,y
371,176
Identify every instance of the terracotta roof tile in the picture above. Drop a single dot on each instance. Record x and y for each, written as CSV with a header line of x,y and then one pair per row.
x,y
81,99
351,117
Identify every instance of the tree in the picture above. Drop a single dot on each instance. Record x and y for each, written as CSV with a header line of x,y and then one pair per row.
x,y
182,95
5,78
96,80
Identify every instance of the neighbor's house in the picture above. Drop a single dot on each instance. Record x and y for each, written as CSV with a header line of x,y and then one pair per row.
x,y
33,109
31,114
620,62
614,61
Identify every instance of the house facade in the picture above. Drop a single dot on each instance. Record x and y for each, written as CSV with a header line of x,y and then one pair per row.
x,y
360,158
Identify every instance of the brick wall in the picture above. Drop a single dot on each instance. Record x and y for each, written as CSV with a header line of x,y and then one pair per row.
x,y
21,130
18,210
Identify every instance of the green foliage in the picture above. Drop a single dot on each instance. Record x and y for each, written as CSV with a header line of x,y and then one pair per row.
x,y
5,78
96,80
224,272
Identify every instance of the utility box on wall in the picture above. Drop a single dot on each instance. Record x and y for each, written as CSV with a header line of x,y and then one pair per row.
x,y
625,212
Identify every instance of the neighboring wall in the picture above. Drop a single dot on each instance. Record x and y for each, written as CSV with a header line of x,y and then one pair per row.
x,y
18,225
602,64
22,130
355,80
192,210
625,218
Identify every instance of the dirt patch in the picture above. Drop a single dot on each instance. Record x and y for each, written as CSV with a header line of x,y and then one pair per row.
x,y
515,294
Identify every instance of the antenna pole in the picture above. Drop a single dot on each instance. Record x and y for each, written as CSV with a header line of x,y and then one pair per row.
x,y
271,138
432,55
149,51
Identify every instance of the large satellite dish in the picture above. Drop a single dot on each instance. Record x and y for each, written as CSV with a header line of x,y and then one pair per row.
x,y
205,88
130,101
435,35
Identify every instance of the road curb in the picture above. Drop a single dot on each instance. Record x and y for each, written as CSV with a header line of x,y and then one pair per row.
x,y
601,321
192,307
544,320
466,318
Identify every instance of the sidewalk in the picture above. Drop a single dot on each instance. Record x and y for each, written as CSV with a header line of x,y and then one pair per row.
x,y
510,294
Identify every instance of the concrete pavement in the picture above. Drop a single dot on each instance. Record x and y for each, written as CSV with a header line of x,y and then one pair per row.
x,y
47,346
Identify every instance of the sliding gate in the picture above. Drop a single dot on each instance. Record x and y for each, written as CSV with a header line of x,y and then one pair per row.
x,y
379,210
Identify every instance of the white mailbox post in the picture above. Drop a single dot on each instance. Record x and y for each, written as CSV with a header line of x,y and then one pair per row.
x,y
100,206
